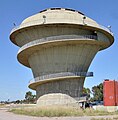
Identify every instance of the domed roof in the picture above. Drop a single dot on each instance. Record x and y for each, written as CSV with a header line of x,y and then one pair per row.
x,y
59,15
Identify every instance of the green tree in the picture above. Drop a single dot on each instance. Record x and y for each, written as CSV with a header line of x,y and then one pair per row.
x,y
29,97
97,92
86,92
17,101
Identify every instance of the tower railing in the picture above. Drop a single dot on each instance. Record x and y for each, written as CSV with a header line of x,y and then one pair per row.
x,y
55,38
42,21
62,74
106,29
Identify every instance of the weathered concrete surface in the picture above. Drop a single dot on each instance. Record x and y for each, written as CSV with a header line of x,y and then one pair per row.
x,y
57,99
57,41
106,108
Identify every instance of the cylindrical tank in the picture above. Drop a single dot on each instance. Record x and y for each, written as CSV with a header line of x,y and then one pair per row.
x,y
59,45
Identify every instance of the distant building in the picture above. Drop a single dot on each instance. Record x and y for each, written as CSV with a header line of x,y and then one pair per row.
x,y
59,45
110,93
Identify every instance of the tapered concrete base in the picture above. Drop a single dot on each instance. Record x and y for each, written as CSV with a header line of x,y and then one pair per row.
x,y
56,99
60,92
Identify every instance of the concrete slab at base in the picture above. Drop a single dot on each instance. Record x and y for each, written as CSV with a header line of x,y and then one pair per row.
x,y
56,99
106,108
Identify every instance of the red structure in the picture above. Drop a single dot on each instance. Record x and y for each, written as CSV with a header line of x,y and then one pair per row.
x,y
110,90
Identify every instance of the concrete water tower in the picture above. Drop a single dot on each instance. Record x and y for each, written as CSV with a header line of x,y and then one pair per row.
x,y
59,45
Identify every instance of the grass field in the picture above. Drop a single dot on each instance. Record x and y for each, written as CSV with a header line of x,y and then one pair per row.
x,y
59,111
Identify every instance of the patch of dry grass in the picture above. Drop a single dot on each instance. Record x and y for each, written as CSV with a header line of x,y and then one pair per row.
x,y
2,105
58,111
48,111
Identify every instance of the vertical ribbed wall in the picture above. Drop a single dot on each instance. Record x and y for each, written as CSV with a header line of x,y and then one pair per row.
x,y
59,59
67,58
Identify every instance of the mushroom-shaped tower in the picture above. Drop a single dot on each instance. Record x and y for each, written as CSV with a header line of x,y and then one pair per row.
x,y
58,45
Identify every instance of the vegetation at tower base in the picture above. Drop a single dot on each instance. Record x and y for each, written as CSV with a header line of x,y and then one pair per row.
x,y
29,97
86,92
97,92
59,111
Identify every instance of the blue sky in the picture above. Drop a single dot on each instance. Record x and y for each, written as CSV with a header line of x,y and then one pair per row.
x,y
15,77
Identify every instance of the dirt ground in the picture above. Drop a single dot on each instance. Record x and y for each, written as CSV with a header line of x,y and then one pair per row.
x,y
5,115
